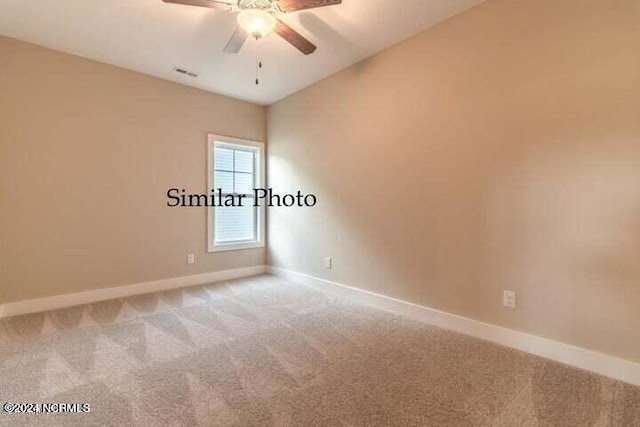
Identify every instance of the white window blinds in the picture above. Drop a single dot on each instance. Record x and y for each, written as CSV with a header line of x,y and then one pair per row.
x,y
236,172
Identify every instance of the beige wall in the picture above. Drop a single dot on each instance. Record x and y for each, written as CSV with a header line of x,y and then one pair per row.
x,y
87,152
499,150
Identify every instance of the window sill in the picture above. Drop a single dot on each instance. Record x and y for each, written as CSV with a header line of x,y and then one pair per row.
x,y
235,247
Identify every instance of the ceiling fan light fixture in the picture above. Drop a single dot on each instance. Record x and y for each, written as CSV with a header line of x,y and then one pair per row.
x,y
256,22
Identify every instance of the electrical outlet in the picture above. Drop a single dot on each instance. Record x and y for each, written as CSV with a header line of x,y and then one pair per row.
x,y
509,299
191,259
328,263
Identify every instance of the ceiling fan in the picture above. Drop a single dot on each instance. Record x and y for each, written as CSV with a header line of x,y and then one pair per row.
x,y
257,18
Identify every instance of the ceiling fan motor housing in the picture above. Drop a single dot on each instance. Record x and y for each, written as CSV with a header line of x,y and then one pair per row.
x,y
270,6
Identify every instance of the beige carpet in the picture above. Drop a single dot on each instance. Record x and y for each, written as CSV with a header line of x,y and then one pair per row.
x,y
262,351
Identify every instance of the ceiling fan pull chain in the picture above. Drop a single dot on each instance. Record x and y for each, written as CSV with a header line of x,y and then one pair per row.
x,y
258,63
257,59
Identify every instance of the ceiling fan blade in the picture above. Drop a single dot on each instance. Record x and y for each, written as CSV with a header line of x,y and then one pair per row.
x,y
236,41
213,4
295,38
294,5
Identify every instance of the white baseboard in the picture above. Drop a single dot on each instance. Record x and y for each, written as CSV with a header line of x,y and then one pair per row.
x,y
69,300
588,360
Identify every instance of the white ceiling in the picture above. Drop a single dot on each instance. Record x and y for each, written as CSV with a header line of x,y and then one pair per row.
x,y
153,37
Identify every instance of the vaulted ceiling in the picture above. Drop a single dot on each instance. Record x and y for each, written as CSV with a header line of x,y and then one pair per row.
x,y
153,37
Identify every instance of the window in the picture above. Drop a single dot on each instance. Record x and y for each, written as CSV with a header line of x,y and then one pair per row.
x,y
236,167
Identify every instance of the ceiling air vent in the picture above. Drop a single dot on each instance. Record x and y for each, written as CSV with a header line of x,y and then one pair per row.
x,y
185,72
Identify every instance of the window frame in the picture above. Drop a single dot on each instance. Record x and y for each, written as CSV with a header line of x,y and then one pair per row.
x,y
249,145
